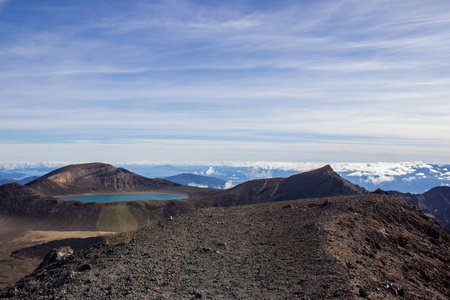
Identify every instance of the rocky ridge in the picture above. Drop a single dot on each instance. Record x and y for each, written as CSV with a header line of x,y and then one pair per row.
x,y
435,202
373,246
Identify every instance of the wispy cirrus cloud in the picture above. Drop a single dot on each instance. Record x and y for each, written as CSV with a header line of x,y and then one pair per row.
x,y
322,72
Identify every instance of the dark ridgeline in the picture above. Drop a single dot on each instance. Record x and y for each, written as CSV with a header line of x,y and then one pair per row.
x,y
21,181
435,202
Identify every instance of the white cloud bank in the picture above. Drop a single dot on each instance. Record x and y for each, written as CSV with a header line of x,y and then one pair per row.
x,y
384,171
229,184
197,185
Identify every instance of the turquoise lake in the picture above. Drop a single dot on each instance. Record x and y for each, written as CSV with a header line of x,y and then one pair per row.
x,y
124,197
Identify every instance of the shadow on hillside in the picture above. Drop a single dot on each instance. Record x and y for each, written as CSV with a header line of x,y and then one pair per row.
x,y
39,251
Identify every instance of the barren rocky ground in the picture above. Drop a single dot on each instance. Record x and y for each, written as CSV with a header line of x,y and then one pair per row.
x,y
373,246
21,251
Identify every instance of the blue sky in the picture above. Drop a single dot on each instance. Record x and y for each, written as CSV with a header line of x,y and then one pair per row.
x,y
329,81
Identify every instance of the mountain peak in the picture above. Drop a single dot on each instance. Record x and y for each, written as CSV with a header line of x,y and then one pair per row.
x,y
325,169
328,167
322,182
95,178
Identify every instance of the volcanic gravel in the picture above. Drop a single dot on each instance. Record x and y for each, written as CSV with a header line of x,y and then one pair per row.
x,y
303,249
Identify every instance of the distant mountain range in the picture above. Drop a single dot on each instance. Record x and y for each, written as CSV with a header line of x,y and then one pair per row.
x,y
104,178
406,177
198,180
36,200
21,181
94,178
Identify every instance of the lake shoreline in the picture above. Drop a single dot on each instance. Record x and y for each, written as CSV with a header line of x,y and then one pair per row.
x,y
120,197
123,193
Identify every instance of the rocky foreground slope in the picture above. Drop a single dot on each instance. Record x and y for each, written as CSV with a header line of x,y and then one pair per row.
x,y
373,246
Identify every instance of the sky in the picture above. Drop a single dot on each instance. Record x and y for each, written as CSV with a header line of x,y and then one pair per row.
x,y
192,81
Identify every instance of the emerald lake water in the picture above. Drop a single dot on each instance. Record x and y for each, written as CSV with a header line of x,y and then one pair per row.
x,y
123,197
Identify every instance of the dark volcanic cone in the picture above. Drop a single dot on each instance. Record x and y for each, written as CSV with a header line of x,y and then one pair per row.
x,y
323,182
98,178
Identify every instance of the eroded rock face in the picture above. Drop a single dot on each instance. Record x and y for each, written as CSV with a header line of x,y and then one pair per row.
x,y
55,255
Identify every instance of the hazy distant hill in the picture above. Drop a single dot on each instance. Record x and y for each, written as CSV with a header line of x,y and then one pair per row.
x,y
21,181
197,180
11,175
435,201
